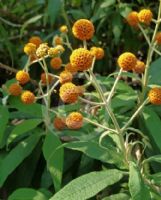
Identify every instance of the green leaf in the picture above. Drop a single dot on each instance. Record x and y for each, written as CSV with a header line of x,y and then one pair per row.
x,y
54,157
93,150
77,14
16,156
34,110
117,27
88,185
23,127
156,158
153,125
155,178
124,9
27,194
120,196
137,187
53,9
4,116
107,3
155,72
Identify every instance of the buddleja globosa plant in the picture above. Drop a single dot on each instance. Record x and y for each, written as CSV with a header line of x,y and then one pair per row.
x,y
106,122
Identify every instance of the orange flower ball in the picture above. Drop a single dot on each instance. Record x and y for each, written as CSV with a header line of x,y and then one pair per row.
x,y
43,79
15,89
58,40
42,50
145,16
65,77
81,59
68,93
70,68
56,63
132,19
59,123
22,77
35,40
139,67
74,120
30,49
127,61
27,97
155,96
97,52
158,38
83,29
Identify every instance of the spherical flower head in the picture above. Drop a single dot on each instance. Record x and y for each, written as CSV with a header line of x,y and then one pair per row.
x,y
97,52
158,38
58,40
56,63
155,96
82,59
74,120
43,79
15,89
83,29
127,61
145,16
70,68
53,52
59,123
64,29
30,49
42,50
27,97
60,48
68,93
35,40
65,76
22,77
132,19
139,67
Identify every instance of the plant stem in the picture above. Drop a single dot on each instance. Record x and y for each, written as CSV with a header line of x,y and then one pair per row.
x,y
113,88
99,125
134,115
91,102
149,56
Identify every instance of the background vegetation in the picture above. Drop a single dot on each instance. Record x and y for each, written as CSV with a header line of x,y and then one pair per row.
x,y
19,21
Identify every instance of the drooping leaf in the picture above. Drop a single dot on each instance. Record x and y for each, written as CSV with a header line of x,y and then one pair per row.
x,y
27,194
17,155
93,150
54,157
23,127
4,116
137,187
88,185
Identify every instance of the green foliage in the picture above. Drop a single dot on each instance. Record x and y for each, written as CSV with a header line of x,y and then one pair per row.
x,y
54,156
88,185
29,194
137,187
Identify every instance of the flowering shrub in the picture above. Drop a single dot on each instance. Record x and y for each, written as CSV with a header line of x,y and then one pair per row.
x,y
96,121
